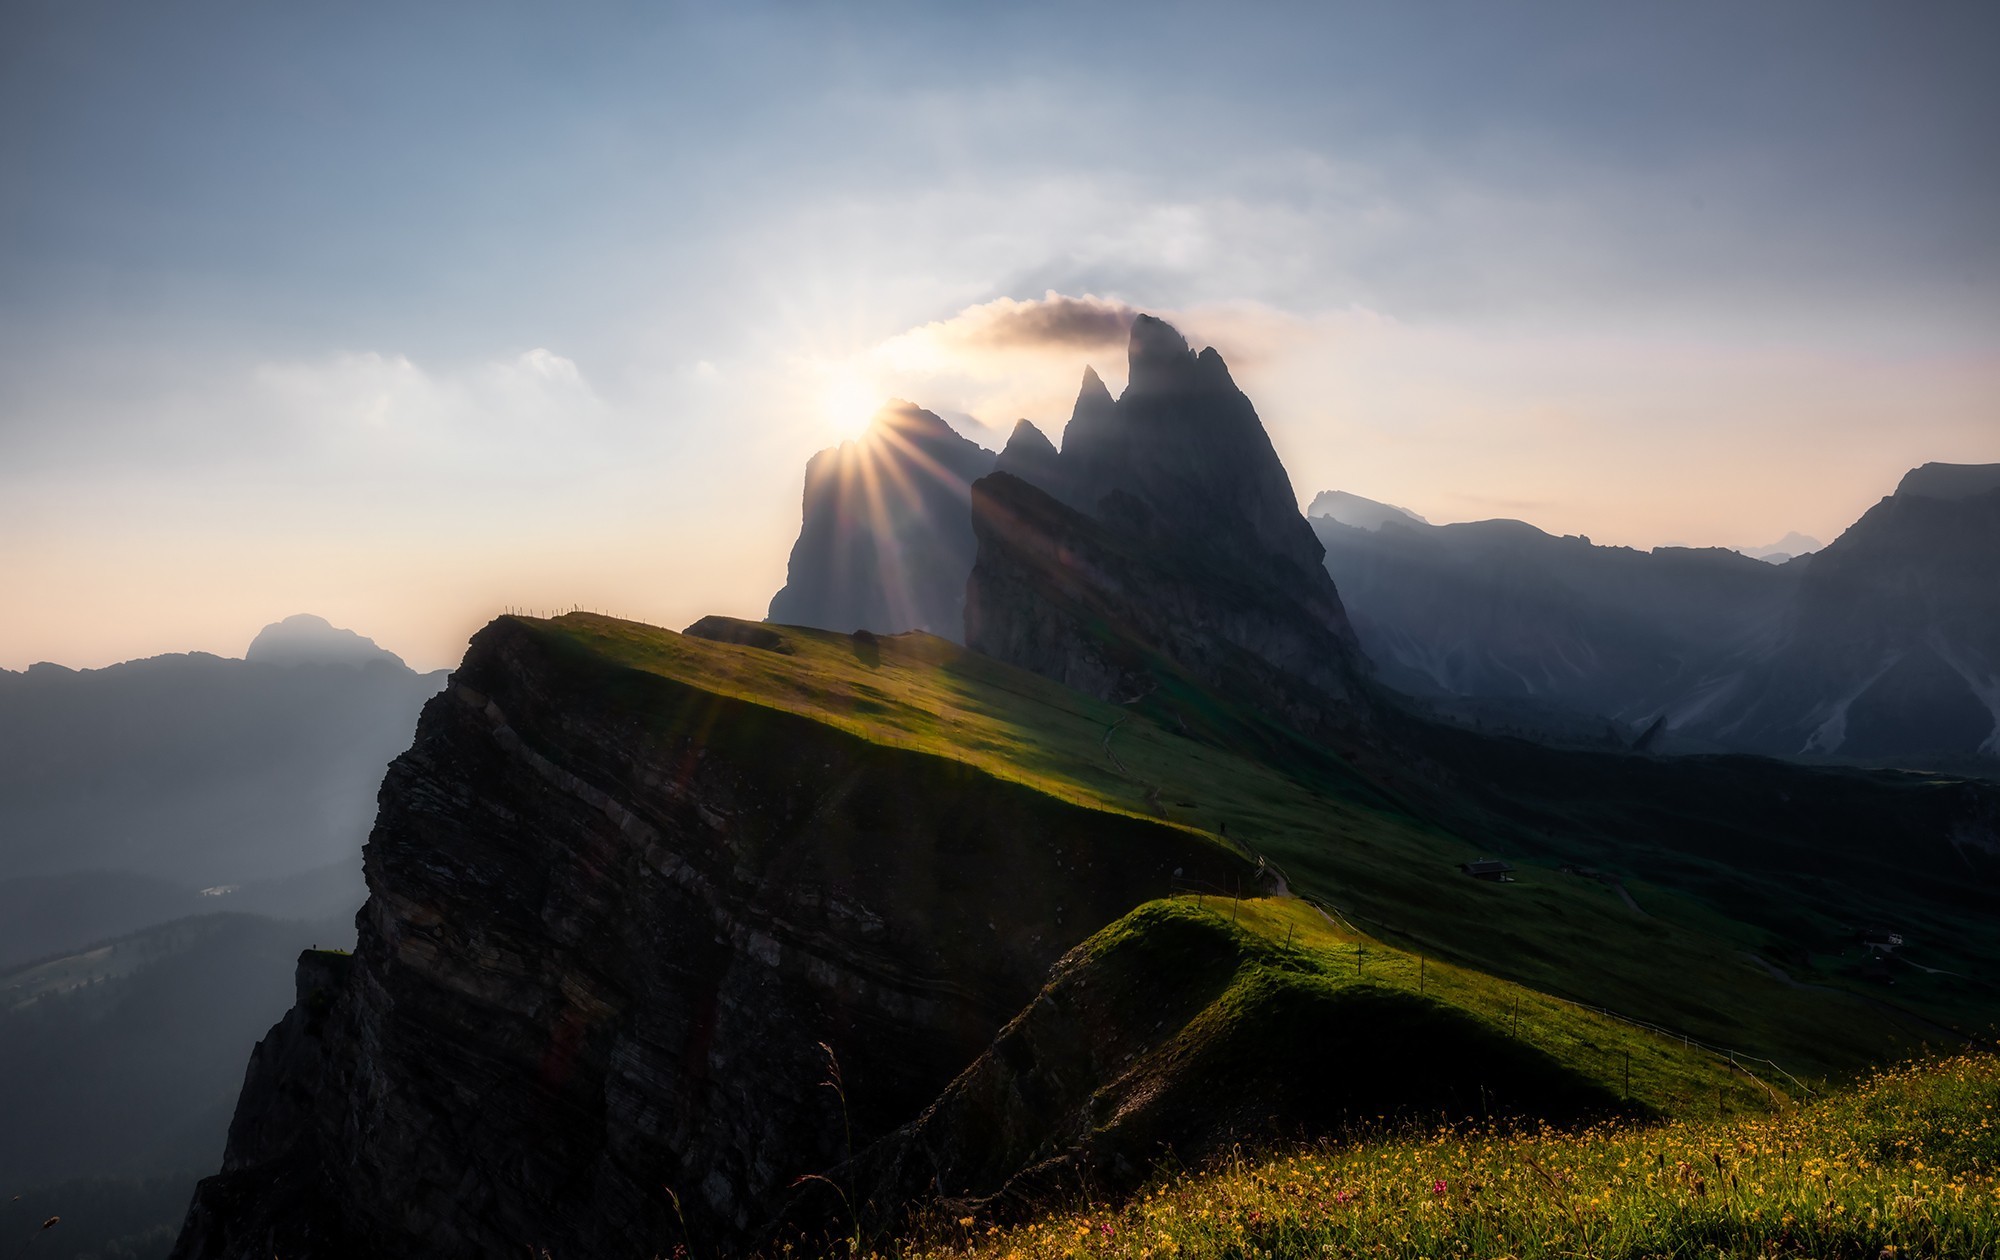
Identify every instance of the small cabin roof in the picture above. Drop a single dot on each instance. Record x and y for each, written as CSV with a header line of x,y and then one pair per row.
x,y
1485,866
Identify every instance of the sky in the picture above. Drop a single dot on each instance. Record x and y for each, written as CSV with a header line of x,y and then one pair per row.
x,y
405,315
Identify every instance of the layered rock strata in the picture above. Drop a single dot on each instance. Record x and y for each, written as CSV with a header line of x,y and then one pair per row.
x,y
621,933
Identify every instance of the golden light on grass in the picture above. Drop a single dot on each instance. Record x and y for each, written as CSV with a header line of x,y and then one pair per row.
x,y
1906,1164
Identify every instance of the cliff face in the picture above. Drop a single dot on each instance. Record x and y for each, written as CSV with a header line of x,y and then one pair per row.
x,y
1077,601
884,541
1167,536
1891,645
1181,461
616,924
1205,556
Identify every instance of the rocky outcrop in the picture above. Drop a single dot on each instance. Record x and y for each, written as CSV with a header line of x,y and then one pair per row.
x,y
1087,605
621,930
885,541
1030,456
1181,463
1178,470
1169,539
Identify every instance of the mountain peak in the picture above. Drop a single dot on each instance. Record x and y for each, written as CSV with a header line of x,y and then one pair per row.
x,y
1092,389
884,537
1359,513
304,639
1173,488
1949,481
1158,356
904,419
1030,456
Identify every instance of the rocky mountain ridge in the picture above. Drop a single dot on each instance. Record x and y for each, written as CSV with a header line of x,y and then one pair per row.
x,y
1164,531
1879,647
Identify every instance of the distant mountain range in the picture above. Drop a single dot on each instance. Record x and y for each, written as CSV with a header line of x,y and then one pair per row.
x,y
172,832
1879,648
1792,545
190,784
1883,647
202,770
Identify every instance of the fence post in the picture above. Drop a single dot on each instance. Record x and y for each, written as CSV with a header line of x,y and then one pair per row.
x,y
1628,1076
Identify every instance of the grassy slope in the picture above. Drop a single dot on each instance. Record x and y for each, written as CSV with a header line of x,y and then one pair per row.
x,y
1779,859
1335,835
1345,995
1908,1164
1665,1075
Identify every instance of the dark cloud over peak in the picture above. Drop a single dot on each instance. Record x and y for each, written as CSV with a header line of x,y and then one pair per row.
x,y
1053,321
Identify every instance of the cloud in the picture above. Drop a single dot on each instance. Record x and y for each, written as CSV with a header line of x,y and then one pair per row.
x,y
1054,322
530,405
1005,359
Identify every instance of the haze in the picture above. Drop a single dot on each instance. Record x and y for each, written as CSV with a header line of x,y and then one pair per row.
x,y
402,319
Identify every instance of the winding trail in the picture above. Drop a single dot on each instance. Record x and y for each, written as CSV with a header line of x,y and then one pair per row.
x,y
1122,768
1618,886
1887,1008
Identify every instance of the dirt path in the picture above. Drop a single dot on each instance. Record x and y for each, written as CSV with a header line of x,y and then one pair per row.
x,y
1122,768
1887,1008
1618,886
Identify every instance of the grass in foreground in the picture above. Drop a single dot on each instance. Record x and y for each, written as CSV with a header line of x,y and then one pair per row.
x,y
1908,1164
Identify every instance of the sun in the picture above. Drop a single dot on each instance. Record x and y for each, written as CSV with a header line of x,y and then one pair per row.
x,y
848,399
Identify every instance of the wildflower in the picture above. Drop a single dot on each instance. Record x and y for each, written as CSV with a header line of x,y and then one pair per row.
x,y
1439,1187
